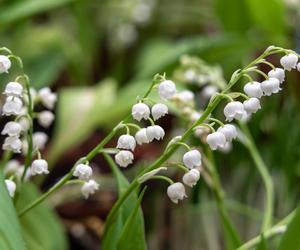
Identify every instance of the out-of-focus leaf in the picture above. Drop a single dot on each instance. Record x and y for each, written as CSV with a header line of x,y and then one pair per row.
x,y
79,111
22,9
233,15
40,226
113,231
129,238
291,239
269,15
10,231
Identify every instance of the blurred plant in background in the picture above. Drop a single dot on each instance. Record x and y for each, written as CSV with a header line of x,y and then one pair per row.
x,y
100,55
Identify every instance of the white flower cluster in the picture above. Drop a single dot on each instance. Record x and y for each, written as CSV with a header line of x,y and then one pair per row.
x,y
192,160
127,143
85,172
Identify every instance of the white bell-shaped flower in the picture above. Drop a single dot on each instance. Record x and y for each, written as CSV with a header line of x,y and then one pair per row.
x,y
209,91
252,105
195,116
216,140
39,167
176,192
270,86
11,187
167,89
155,132
277,73
141,136
289,61
12,129
39,140
191,178
184,98
234,110
12,106
12,143
192,159
83,172
253,89
5,64
45,118
140,111
11,167
13,89
124,158
126,142
47,97
229,131
159,110
89,188
24,123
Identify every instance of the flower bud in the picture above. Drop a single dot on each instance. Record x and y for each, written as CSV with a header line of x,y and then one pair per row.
x,y
12,106
83,172
270,86
253,89
159,110
12,129
166,89
12,143
216,140
289,61
141,136
45,118
48,98
39,167
252,105
192,159
234,110
140,111
88,188
126,142
39,140
229,131
5,64
13,89
155,132
124,158
277,73
176,191
191,178
11,187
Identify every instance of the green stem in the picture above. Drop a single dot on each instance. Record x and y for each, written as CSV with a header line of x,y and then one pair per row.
x,y
161,177
277,229
220,198
267,180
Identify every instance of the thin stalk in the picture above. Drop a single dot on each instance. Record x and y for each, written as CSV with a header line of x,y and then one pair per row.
x,y
277,229
220,199
267,180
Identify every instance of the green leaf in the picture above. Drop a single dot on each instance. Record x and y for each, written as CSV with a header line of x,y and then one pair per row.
x,y
79,111
129,239
22,9
113,231
291,239
40,226
269,15
10,230
263,244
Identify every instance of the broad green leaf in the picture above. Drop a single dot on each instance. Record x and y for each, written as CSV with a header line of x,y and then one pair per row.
x,y
23,9
269,15
113,231
79,111
291,239
40,226
129,239
233,15
10,230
